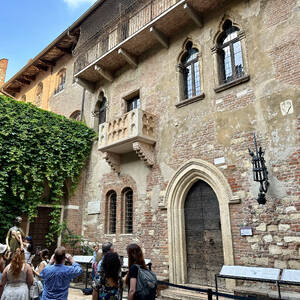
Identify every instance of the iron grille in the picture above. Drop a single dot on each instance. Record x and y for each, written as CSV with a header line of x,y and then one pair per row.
x,y
128,211
112,213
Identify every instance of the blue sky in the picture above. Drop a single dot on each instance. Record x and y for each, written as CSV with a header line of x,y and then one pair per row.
x,y
27,27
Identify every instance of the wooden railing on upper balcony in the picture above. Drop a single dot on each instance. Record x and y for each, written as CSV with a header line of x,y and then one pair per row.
x,y
119,29
119,134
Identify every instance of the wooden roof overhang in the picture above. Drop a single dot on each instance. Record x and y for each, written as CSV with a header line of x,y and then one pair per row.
x,y
168,24
63,44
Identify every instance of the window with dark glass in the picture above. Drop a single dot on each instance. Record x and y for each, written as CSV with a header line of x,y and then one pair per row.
x,y
133,103
99,112
61,81
230,53
102,110
112,212
128,207
191,71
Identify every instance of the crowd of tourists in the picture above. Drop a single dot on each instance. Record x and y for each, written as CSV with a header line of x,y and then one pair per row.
x,y
27,276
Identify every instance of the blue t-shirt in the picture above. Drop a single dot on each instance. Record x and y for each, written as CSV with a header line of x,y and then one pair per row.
x,y
57,280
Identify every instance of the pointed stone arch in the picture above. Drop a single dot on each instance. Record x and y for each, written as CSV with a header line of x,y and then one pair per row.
x,y
177,190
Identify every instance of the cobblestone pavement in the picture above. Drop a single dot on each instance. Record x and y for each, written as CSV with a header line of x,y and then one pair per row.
x,y
77,295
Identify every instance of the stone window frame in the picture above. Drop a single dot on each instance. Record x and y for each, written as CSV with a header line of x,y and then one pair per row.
x,y
108,214
23,98
60,81
124,206
218,81
129,96
182,100
39,94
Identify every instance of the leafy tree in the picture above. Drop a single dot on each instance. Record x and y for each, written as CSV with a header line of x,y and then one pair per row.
x,y
39,152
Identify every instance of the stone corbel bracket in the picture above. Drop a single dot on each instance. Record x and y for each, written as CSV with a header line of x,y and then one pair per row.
x,y
145,152
113,160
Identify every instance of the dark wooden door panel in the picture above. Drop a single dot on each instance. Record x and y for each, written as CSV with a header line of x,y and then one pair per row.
x,y
203,234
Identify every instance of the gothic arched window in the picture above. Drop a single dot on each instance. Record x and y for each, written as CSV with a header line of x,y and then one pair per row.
x,y
111,213
100,110
127,213
230,54
190,69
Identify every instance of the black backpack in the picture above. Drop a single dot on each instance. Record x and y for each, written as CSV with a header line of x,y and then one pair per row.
x,y
146,284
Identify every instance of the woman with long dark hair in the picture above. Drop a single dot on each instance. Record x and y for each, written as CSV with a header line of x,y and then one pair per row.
x,y
109,284
135,262
16,279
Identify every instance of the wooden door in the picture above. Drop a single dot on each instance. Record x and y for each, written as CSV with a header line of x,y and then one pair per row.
x,y
203,234
39,228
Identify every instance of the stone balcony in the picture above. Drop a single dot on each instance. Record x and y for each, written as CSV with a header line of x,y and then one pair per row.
x,y
134,131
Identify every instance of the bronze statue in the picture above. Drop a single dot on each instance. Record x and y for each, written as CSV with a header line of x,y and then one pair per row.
x,y
15,236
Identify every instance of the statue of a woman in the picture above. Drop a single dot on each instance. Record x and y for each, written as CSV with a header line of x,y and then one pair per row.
x,y
15,236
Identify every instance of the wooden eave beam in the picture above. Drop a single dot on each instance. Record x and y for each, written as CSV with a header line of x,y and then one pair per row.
x,y
23,81
104,73
41,68
193,15
48,62
131,60
90,86
160,37
14,90
65,50
29,77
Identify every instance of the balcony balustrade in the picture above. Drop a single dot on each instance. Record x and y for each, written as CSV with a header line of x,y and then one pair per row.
x,y
129,22
134,131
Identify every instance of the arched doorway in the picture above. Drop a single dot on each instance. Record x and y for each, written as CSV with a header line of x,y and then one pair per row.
x,y
204,248
177,191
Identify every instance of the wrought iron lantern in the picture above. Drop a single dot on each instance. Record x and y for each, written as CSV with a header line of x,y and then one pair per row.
x,y
260,172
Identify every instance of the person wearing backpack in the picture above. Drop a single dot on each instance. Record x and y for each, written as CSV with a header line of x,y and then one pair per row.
x,y
142,283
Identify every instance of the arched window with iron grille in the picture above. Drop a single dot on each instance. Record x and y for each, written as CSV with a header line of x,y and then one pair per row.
x,y
127,214
111,212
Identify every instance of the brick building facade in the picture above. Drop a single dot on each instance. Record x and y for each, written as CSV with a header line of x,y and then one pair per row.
x,y
3,68
176,90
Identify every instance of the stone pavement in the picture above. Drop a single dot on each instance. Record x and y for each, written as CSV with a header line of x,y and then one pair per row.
x,y
77,295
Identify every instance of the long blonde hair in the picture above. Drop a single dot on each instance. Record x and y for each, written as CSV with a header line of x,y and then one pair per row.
x,y
17,262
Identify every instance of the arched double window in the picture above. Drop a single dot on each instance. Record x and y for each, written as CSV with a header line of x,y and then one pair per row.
x,y
190,69
100,111
39,94
111,212
230,56
127,213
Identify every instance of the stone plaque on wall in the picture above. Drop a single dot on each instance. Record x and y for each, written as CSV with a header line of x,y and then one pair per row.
x,y
94,208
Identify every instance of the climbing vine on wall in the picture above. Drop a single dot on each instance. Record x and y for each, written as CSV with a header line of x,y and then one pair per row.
x,y
39,152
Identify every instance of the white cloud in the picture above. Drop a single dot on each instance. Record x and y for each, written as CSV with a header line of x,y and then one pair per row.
x,y
75,3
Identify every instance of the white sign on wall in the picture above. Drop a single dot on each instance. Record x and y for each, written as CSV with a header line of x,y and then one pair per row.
x,y
94,208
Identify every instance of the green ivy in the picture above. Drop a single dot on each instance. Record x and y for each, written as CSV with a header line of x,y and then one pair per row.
x,y
39,152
